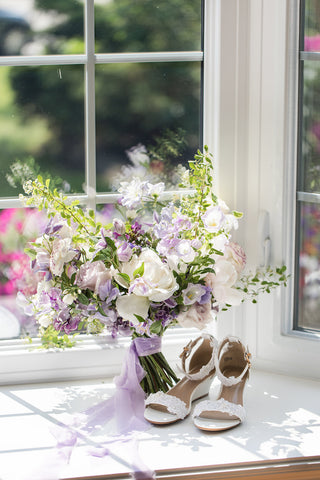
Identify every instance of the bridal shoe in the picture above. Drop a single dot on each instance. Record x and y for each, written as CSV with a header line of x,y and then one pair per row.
x,y
198,365
232,368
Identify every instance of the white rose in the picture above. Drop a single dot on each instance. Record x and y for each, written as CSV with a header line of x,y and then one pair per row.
x,y
235,254
222,282
129,305
157,282
198,316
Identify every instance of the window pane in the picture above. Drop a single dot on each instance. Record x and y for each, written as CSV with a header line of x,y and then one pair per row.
x,y
17,227
312,26
42,116
136,102
309,267
38,27
310,172
145,25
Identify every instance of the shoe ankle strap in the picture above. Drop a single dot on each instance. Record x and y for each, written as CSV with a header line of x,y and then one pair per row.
x,y
229,381
206,369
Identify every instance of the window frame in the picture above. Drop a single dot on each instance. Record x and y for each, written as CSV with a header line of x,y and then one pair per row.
x,y
250,124
258,119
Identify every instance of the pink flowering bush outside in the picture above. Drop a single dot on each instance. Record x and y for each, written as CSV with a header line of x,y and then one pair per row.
x,y
17,226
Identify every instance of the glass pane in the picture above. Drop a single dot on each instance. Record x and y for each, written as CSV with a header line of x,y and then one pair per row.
x,y
309,267
42,116
39,27
138,102
310,171
146,25
312,26
17,227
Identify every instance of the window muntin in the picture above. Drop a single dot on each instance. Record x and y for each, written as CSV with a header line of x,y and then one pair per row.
x,y
307,288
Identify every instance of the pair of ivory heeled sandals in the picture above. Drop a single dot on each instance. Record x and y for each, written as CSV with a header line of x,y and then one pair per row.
x,y
202,359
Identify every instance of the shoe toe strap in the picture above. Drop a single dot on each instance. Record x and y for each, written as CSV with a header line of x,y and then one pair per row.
x,y
221,405
174,405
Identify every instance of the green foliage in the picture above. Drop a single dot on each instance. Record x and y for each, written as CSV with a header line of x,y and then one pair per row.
x,y
28,169
263,280
51,338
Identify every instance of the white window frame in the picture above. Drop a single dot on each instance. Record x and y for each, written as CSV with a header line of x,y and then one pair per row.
x,y
259,55
250,124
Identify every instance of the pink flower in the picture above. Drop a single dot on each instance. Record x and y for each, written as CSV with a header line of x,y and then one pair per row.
x,y
312,44
92,275
236,255
197,316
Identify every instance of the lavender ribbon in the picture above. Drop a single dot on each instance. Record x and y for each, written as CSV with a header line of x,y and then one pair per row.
x,y
127,404
126,407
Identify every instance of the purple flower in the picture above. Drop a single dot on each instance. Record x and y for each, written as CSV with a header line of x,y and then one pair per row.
x,y
107,292
194,293
119,226
41,262
66,322
52,228
56,301
124,252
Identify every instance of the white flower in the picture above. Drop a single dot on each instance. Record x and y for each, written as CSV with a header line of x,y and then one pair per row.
x,y
213,219
175,263
68,299
138,155
44,320
185,251
132,193
222,283
93,275
157,281
130,305
198,316
235,254
155,189
61,253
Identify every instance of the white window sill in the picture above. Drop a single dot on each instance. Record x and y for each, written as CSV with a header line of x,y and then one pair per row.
x,y
283,425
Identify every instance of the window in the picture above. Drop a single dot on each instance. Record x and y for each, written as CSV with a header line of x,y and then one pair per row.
x,y
88,81
250,116
307,307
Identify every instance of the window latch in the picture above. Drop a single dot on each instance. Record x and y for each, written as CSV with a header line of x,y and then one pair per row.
x,y
264,238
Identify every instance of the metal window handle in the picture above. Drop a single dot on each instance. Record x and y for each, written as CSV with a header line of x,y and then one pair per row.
x,y
264,238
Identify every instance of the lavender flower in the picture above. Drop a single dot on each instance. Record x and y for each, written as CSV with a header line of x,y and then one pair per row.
x,y
195,293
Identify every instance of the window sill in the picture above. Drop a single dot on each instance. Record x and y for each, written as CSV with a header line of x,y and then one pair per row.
x,y
92,357
281,434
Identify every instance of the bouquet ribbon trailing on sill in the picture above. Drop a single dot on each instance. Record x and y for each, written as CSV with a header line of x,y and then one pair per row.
x,y
126,406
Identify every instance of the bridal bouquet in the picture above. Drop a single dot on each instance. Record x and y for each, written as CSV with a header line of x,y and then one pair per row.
x,y
156,265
